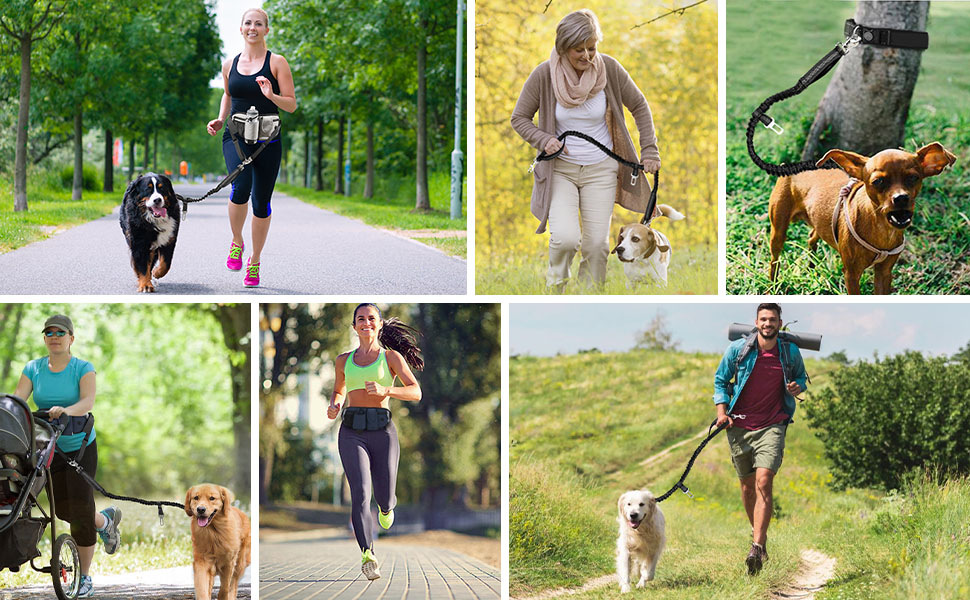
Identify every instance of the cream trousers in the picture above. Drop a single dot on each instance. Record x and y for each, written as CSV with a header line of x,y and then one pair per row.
x,y
581,194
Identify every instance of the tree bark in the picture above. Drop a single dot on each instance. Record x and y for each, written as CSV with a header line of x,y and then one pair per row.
x,y
338,180
109,165
131,159
306,159
23,121
369,184
866,103
155,152
78,182
319,165
235,322
422,200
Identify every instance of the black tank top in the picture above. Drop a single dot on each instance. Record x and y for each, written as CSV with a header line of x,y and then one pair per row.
x,y
244,91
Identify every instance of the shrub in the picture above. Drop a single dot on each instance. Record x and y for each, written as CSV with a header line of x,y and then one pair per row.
x,y
882,419
89,177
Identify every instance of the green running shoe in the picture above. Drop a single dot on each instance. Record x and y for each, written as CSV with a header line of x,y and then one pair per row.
x,y
368,565
386,519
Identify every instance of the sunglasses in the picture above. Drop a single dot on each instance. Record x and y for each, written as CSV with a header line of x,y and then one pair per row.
x,y
57,333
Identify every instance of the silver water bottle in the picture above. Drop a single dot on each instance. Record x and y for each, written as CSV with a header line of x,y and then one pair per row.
x,y
251,131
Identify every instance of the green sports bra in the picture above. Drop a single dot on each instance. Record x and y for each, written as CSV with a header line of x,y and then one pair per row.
x,y
378,371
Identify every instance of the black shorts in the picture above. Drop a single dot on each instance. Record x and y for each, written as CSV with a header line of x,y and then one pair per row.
x,y
74,496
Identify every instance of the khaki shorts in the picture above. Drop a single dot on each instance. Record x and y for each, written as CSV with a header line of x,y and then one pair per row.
x,y
761,449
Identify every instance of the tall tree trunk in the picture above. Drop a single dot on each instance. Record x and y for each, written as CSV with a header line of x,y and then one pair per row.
x,y
131,159
155,152
23,122
109,165
78,183
235,322
422,200
338,180
17,320
147,148
319,165
306,158
865,106
369,184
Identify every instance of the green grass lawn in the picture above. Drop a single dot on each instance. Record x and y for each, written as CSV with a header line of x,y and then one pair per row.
x,y
50,210
577,439
759,63
145,545
692,271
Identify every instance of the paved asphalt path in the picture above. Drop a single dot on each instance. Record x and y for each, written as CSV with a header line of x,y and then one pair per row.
x,y
330,569
163,584
309,251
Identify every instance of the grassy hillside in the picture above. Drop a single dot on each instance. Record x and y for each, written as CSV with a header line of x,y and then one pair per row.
x,y
581,425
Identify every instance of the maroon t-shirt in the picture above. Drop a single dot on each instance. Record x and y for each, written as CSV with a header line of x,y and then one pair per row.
x,y
761,400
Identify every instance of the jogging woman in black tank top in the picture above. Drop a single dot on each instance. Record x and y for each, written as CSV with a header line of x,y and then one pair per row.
x,y
255,77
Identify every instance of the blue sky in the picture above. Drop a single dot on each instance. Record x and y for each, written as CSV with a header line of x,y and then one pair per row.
x,y
859,329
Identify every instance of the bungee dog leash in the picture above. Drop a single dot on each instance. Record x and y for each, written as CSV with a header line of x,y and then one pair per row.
x,y
637,167
710,435
855,34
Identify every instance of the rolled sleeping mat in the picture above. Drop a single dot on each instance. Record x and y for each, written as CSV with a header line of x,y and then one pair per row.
x,y
805,341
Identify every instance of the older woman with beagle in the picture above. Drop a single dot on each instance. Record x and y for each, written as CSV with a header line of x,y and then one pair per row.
x,y
583,90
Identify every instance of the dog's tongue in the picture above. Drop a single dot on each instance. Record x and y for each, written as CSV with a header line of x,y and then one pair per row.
x,y
634,525
159,212
203,521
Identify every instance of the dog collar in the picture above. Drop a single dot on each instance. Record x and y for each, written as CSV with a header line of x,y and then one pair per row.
x,y
843,206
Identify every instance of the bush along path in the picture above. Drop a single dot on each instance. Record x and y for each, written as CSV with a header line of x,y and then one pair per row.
x,y
309,251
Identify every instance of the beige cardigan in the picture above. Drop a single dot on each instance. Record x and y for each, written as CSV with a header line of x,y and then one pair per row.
x,y
537,95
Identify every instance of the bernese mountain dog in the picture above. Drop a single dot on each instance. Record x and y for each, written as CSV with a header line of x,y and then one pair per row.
x,y
150,220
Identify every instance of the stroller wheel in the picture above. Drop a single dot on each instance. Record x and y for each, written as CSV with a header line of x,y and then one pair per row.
x,y
66,567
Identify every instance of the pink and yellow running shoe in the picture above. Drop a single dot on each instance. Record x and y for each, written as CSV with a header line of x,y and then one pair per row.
x,y
234,262
252,274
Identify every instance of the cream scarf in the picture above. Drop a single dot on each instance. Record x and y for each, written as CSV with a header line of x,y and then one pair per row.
x,y
574,90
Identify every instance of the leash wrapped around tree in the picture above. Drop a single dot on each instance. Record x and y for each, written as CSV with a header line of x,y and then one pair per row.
x,y
855,34
637,167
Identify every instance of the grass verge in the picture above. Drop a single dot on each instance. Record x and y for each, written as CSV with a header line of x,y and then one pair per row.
x,y
51,210
392,209
692,271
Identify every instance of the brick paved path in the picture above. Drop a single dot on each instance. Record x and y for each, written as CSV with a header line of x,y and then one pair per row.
x,y
330,569
161,584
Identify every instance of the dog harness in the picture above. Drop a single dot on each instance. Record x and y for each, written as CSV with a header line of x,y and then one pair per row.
x,y
843,206
377,371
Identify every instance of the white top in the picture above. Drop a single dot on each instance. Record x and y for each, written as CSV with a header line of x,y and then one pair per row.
x,y
590,118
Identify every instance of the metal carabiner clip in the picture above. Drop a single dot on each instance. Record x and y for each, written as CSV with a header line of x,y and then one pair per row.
x,y
684,489
532,167
852,41
633,177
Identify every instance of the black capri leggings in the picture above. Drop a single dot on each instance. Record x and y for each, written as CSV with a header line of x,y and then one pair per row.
x,y
258,179
74,497
368,455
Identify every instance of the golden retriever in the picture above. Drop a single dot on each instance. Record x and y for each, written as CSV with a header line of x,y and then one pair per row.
x,y
641,539
220,540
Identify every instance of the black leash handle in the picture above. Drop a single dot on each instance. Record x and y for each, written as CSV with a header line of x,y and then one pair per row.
x,y
637,167
680,483
855,34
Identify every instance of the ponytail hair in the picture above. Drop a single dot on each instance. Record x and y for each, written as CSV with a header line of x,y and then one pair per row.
x,y
398,336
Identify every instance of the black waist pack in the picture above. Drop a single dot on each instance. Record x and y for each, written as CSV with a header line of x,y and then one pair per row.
x,y
366,419
77,425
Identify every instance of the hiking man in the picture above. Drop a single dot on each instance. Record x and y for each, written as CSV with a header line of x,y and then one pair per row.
x,y
754,392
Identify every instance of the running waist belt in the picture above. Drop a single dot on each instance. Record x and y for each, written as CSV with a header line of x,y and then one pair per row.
x,y
361,418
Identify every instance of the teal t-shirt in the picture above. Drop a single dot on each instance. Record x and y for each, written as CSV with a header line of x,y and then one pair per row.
x,y
59,389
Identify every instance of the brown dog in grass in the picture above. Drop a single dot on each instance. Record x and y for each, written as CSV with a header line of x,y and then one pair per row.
x,y
864,217
220,540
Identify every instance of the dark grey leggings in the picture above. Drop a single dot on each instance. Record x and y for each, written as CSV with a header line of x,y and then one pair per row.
x,y
366,456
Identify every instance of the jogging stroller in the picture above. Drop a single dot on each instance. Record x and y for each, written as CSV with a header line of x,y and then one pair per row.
x,y
26,449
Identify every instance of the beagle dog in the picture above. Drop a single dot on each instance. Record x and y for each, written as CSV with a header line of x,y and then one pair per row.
x,y
644,251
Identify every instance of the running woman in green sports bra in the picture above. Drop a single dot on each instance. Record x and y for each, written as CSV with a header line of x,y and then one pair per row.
x,y
367,440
